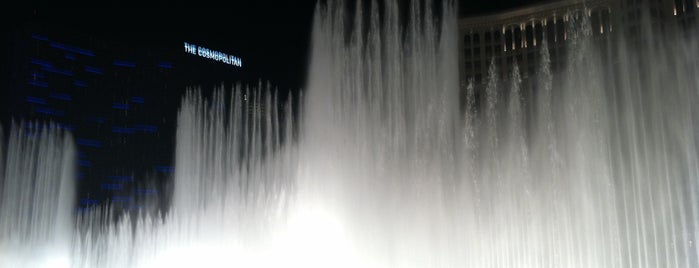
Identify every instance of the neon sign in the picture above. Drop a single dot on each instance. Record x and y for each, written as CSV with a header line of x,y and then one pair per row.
x,y
212,54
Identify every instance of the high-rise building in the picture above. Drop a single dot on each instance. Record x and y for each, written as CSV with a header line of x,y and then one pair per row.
x,y
119,98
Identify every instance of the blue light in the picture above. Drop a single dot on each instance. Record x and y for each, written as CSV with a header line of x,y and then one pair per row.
x,y
165,169
93,70
38,83
41,63
137,99
36,75
146,128
124,63
70,56
123,130
165,64
79,83
36,100
88,142
66,126
88,201
61,96
40,37
111,186
73,49
84,163
122,199
49,111
81,175
120,106
121,178
58,71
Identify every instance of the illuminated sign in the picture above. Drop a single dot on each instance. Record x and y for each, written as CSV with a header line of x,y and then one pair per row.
x,y
212,54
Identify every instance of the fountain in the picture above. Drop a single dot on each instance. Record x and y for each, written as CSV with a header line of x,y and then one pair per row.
x,y
597,168
387,167
37,197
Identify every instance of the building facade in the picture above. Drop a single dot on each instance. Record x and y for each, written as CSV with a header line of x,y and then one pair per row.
x,y
516,35
118,98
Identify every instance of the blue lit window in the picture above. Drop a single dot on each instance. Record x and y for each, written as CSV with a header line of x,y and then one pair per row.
x,y
164,64
41,63
122,63
146,128
73,49
165,169
36,100
137,99
60,96
40,37
58,71
120,106
38,83
111,186
93,70
79,83
89,142
49,111
122,130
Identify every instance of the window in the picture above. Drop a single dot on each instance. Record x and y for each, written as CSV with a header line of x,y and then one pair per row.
x,y
538,33
508,39
529,32
550,31
560,30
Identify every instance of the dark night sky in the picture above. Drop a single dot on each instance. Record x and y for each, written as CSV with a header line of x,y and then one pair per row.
x,y
271,37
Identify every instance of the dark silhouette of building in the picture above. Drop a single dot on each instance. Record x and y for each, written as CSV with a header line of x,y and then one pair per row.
x,y
119,98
